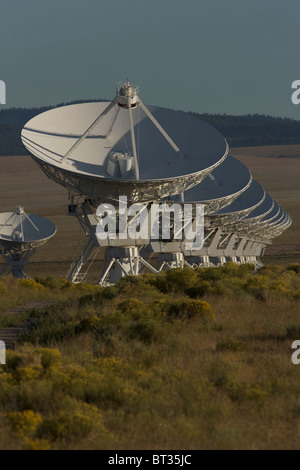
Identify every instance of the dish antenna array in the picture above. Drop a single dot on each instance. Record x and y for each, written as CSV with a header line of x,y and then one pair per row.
x,y
148,154
20,235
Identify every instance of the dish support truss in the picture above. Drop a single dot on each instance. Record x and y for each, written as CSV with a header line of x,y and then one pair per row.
x,y
227,242
15,262
99,191
120,260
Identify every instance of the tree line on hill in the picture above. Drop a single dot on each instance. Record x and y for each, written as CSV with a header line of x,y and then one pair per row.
x,y
240,131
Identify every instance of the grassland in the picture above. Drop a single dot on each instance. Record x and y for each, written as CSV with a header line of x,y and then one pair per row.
x,y
188,359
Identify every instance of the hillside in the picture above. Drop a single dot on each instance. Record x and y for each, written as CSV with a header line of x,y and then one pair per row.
x,y
240,131
254,130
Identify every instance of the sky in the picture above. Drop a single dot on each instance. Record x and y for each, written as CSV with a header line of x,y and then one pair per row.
x,y
214,56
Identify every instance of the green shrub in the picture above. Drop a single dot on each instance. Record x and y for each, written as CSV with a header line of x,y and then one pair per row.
x,y
294,267
132,319
293,331
230,270
87,324
110,292
24,422
296,295
147,331
51,282
258,285
271,271
220,289
131,306
13,359
30,284
279,287
175,280
208,274
199,289
220,373
51,332
231,344
74,419
246,269
189,308
49,357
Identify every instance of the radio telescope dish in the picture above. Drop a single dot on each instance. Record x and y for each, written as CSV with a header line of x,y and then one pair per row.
x,y
246,201
20,235
221,187
277,220
103,150
242,206
271,214
261,211
271,225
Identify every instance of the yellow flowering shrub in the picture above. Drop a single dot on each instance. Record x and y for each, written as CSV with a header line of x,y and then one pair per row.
x,y
74,419
49,356
24,374
256,392
31,284
190,308
35,444
280,287
87,324
24,422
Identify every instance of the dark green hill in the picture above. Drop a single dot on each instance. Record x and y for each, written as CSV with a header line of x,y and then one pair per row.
x,y
254,129
240,131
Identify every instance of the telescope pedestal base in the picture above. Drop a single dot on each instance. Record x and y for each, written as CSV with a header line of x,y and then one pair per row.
x,y
120,262
16,262
172,260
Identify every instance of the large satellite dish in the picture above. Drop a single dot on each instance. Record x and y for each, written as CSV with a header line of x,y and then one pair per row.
x,y
103,150
258,223
272,225
241,207
20,235
221,187
264,211
246,201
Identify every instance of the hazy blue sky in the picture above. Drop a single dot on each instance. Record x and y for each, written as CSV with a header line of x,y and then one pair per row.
x,y
220,56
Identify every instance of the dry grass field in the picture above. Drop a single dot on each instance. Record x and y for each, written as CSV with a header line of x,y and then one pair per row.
x,y
186,359
22,182
277,168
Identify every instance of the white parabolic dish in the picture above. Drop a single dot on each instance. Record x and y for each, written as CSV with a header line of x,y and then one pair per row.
x,y
230,179
103,150
20,231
